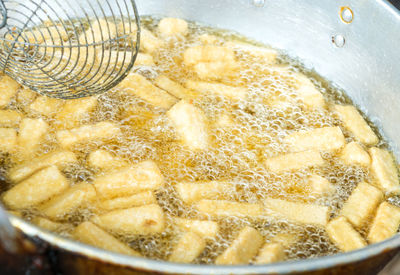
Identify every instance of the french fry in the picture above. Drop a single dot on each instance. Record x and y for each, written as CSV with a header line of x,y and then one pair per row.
x,y
75,110
188,248
208,39
149,42
46,106
355,123
10,118
230,92
47,224
172,27
139,86
298,212
101,131
143,59
208,53
385,224
270,253
343,235
205,229
266,54
174,88
50,34
103,160
91,234
215,70
139,199
361,204
66,203
190,124
384,170
26,96
38,188
99,30
8,88
222,208
116,59
31,133
294,161
58,158
143,220
15,213
322,139
129,180
243,248
192,192
354,154
308,93
320,186
8,139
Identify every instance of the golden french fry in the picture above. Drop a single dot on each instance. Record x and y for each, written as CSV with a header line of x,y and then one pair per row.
x,y
99,30
8,88
172,27
129,180
38,188
102,131
25,96
58,158
208,39
66,203
91,234
205,229
190,124
354,154
10,118
322,139
101,159
355,123
46,106
215,70
243,248
385,224
264,53
308,93
174,88
320,186
31,133
143,220
221,208
298,212
384,170
343,235
74,111
139,86
139,199
230,92
192,192
47,224
208,53
8,139
143,59
188,248
149,42
270,253
294,161
361,204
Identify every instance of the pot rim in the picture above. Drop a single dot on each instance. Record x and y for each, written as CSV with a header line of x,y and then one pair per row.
x,y
176,268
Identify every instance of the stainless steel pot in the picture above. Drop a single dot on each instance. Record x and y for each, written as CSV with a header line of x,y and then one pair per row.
x,y
351,43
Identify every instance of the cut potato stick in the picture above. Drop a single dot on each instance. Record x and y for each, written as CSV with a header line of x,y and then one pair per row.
x,y
149,42
308,93
188,248
385,224
266,54
103,160
46,106
174,88
31,133
142,220
38,188
192,192
139,199
355,123
8,140
208,53
172,27
320,186
230,92
58,158
270,253
322,139
74,111
129,180
243,248
298,212
294,161
354,154
8,88
91,234
384,170
10,118
205,229
47,224
361,204
221,208
190,124
343,235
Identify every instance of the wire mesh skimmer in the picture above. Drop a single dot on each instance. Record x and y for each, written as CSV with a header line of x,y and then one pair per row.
x,y
68,49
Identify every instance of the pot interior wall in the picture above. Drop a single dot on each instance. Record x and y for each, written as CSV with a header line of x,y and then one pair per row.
x,y
366,67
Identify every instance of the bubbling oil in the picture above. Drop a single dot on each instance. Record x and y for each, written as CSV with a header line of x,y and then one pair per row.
x,y
236,154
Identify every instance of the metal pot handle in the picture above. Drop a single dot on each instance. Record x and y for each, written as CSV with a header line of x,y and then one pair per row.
x,y
8,234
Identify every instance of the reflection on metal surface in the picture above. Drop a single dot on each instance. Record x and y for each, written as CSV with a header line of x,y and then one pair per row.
x,y
346,14
338,40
